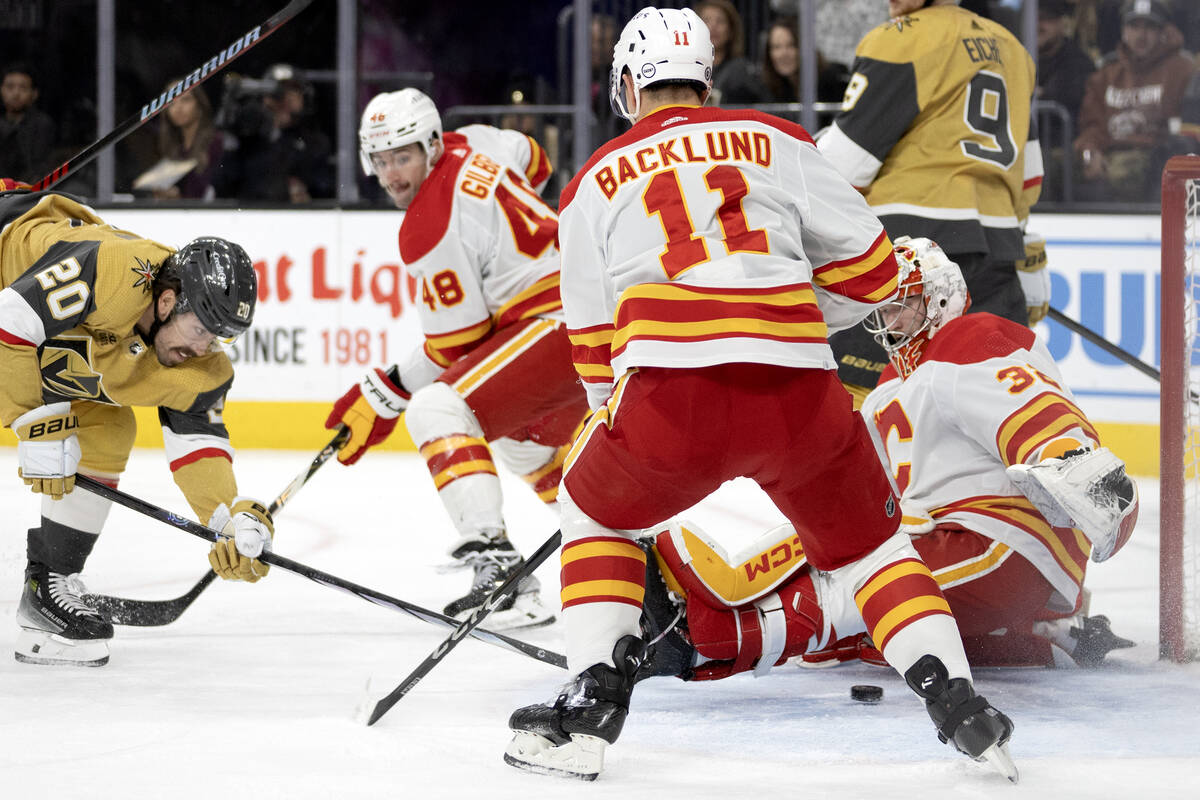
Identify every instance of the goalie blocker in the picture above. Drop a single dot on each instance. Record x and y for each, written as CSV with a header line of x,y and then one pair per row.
x,y
1084,489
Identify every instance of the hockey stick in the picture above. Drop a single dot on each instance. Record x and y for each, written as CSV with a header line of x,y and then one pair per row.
x,y
1112,349
151,613
193,78
295,567
466,626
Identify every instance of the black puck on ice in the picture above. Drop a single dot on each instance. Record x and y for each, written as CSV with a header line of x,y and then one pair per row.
x,y
865,693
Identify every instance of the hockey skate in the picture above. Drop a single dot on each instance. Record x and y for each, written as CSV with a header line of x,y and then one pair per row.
x,y
1086,639
57,626
567,738
492,562
962,717
664,629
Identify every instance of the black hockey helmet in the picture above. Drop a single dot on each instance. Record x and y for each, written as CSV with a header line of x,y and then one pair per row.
x,y
217,282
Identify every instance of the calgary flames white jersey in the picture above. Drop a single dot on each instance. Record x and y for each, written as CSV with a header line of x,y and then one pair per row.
x,y
705,236
481,244
985,395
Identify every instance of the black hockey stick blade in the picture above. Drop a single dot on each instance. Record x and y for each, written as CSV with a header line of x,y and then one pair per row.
x,y
153,613
147,613
288,565
466,626
197,76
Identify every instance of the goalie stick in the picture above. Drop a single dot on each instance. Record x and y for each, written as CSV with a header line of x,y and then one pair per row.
x,y
195,77
466,626
152,613
274,559
1111,349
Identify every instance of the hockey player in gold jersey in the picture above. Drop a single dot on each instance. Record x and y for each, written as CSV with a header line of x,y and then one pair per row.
x,y
936,130
95,320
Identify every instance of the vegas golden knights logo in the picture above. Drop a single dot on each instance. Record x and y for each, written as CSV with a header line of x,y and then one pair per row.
x,y
66,364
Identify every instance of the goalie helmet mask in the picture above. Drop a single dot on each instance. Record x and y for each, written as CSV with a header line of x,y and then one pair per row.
x,y
659,45
217,282
930,294
394,119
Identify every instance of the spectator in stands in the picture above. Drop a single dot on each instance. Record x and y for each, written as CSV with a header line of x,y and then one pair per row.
x,y
186,135
1128,105
26,133
277,154
1188,139
841,24
1063,71
781,69
734,81
604,38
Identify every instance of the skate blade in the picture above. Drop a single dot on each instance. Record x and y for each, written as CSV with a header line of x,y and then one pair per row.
x,y
50,649
521,616
998,757
582,758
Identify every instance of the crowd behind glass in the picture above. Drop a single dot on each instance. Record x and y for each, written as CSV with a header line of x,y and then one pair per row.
x,y
267,138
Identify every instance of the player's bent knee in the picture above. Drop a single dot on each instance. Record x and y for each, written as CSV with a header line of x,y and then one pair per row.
x,y
855,574
576,524
437,410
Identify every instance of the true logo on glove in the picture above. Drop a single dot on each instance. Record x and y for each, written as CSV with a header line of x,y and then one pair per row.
x,y
56,425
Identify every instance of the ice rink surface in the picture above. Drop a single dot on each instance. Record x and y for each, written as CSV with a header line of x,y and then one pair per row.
x,y
253,692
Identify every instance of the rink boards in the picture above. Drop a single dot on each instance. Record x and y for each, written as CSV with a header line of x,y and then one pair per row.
x,y
334,300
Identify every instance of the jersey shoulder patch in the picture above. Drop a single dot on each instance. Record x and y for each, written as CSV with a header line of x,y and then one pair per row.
x,y
428,218
978,337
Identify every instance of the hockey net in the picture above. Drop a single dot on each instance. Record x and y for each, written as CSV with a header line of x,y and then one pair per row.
x,y
1179,423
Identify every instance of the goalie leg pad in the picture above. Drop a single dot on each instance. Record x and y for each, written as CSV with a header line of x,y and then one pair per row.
x,y
756,636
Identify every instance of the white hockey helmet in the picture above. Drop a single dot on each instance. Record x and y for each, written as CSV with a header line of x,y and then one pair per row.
x,y
660,45
931,293
394,119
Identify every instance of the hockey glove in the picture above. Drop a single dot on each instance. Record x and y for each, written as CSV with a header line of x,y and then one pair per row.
x,y
12,184
48,449
370,410
1035,278
1085,489
246,532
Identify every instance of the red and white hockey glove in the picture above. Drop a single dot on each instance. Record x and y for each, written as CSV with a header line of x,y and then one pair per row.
x,y
369,410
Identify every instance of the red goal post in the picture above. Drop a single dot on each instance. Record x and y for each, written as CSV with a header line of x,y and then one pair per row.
x,y
1179,413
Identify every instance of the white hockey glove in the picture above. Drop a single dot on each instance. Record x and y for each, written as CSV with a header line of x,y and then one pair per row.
x,y
1035,278
246,532
48,449
1085,489
370,410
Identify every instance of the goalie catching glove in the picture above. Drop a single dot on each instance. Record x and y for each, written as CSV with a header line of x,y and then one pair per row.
x,y
48,449
369,410
246,531
1084,489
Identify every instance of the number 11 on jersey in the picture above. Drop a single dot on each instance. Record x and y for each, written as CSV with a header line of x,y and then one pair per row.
x,y
684,250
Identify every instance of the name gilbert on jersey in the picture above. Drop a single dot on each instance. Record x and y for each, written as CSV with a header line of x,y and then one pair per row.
x,y
749,146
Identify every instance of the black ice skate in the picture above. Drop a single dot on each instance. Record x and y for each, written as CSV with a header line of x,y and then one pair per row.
x,y
664,628
962,717
567,737
57,626
493,561
1094,640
